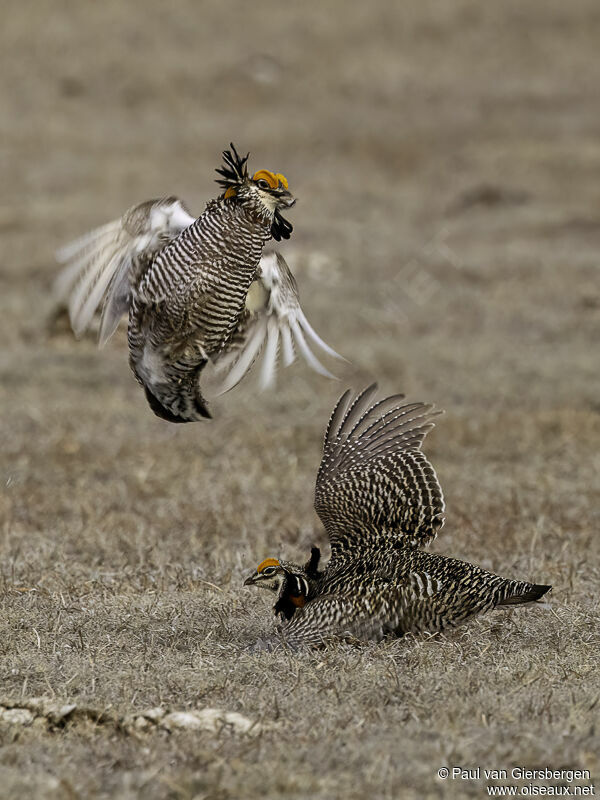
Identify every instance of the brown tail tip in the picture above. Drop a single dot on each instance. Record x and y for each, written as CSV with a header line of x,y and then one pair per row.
x,y
533,593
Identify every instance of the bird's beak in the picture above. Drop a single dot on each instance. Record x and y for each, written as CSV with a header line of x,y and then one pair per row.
x,y
250,581
286,198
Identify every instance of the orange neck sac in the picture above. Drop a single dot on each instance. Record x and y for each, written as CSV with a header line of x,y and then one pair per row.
x,y
288,603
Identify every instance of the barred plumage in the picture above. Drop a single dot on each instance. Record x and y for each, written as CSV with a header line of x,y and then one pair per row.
x,y
380,502
190,287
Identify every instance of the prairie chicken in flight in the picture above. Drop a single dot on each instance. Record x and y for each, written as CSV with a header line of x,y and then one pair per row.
x,y
381,504
196,290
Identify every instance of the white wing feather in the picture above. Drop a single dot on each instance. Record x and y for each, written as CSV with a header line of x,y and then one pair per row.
x,y
275,316
101,265
249,352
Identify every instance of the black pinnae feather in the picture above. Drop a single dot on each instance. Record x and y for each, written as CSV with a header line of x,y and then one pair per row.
x,y
281,228
235,170
237,164
312,565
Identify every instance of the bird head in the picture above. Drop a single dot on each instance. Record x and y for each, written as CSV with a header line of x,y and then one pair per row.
x,y
290,582
266,192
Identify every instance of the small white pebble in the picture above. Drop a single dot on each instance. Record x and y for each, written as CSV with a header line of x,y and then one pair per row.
x,y
154,714
210,719
17,716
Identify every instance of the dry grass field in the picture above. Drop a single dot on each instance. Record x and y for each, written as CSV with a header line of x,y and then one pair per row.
x,y
446,160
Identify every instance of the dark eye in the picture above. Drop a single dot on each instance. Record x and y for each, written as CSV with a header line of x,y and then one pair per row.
x,y
269,570
262,184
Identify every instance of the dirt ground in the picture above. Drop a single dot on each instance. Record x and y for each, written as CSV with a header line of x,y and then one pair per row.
x,y
446,160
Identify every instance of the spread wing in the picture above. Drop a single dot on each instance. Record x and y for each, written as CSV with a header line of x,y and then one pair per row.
x,y
374,485
104,265
273,317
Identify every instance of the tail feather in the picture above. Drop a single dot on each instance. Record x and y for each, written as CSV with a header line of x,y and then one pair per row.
x,y
531,592
200,409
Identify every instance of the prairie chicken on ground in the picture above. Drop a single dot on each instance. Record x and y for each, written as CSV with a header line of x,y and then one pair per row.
x,y
196,290
381,504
